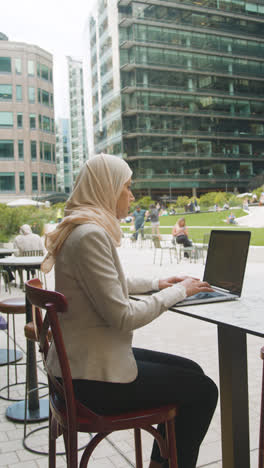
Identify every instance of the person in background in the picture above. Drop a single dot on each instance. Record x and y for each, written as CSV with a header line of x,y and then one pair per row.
x,y
139,219
59,215
180,235
153,214
231,219
109,375
26,240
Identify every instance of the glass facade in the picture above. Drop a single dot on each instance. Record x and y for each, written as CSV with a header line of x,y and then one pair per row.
x,y
5,92
192,93
7,182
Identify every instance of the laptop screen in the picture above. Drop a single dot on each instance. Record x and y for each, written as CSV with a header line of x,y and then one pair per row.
x,y
226,259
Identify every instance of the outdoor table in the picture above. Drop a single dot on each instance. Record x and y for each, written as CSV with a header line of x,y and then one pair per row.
x,y
38,409
5,252
234,320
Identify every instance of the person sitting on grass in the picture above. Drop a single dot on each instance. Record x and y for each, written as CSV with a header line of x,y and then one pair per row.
x,y
231,219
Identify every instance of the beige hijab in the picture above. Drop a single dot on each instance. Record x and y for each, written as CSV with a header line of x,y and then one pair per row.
x,y
93,200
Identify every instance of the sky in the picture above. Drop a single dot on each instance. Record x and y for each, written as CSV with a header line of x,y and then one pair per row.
x,y
54,25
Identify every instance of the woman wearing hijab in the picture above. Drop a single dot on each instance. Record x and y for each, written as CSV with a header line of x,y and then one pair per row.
x,y
108,375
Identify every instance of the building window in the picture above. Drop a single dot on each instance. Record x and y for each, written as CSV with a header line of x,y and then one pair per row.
x,y
6,149
40,121
6,119
42,182
5,92
33,150
19,120
31,68
31,94
51,100
52,125
43,71
54,153
18,92
45,123
45,97
48,182
32,121
7,182
47,151
41,150
54,183
21,181
5,65
21,149
18,66
34,182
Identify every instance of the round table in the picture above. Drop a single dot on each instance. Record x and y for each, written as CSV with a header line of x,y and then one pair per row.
x,y
38,410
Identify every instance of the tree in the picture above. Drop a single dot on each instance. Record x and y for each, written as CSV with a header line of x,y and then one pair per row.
x,y
256,182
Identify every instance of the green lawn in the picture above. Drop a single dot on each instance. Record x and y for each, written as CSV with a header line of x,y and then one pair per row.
x,y
213,219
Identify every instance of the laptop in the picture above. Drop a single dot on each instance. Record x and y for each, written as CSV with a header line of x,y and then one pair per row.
x,y
225,267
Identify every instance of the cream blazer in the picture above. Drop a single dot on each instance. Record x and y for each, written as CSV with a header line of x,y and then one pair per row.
x,y
98,326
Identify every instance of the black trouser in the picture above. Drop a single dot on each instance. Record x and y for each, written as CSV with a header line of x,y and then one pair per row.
x,y
162,379
183,239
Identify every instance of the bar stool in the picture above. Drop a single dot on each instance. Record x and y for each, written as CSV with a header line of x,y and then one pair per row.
x,y
11,306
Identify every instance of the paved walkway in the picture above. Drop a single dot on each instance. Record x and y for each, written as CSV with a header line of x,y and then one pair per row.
x,y
170,333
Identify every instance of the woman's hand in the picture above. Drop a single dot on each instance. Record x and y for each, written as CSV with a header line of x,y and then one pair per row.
x,y
194,286
166,283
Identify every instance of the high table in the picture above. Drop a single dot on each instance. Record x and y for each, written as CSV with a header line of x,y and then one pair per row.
x,y
13,357
38,409
234,320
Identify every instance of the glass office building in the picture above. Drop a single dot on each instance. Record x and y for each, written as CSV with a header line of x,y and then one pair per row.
x,y
191,92
79,147
63,156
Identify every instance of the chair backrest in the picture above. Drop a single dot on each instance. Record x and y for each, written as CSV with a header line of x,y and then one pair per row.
x,y
206,238
32,253
156,242
54,304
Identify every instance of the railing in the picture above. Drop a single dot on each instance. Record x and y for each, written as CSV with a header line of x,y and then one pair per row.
x,y
198,47
222,26
182,132
175,89
184,155
146,177
186,110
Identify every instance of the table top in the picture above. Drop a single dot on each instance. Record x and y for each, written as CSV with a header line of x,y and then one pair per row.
x,y
246,313
22,261
6,251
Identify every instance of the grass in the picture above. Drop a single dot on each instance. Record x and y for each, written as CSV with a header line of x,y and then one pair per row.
x,y
212,219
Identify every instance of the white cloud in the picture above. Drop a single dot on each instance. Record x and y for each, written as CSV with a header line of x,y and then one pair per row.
x,y
54,25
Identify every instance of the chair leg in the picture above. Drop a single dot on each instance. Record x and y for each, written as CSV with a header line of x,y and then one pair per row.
x,y
261,428
52,445
171,441
138,448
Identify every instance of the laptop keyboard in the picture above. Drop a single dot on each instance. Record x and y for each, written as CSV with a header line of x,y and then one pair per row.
x,y
204,295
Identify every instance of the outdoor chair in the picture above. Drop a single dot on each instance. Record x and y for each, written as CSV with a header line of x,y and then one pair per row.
x,y
163,247
34,253
68,416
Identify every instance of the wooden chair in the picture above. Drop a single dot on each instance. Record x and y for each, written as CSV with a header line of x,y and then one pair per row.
x,y
261,426
68,416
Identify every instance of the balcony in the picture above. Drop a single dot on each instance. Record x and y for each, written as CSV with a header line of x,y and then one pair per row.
x,y
201,177
132,88
180,155
210,68
179,132
126,20
170,110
